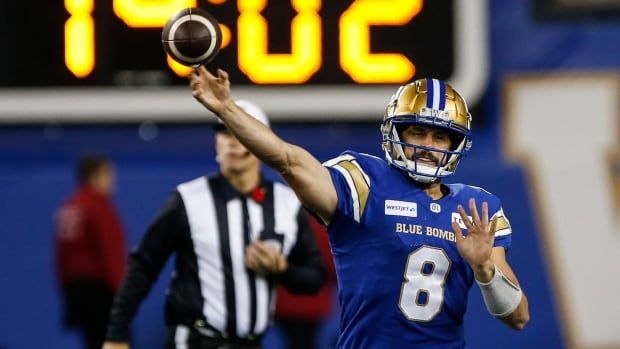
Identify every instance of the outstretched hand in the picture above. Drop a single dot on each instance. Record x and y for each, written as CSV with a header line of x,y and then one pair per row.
x,y
211,91
477,246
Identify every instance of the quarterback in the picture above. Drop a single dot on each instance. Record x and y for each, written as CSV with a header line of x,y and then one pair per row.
x,y
407,247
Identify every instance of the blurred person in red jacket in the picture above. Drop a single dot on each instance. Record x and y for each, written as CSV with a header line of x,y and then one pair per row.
x,y
300,316
90,249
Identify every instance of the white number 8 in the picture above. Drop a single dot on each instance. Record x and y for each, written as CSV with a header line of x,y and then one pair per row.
x,y
425,272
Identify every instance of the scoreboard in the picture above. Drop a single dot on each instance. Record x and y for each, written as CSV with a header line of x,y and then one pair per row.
x,y
338,49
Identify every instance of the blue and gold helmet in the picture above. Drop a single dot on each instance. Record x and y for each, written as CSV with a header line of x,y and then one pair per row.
x,y
426,102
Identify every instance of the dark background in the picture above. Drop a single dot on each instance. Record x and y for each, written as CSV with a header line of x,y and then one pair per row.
x,y
36,47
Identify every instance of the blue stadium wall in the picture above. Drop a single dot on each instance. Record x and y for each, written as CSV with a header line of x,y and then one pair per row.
x,y
36,168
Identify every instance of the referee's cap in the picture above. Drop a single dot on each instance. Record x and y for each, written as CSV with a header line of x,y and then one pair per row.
x,y
252,109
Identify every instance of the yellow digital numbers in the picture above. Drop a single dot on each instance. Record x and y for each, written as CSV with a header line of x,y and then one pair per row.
x,y
148,13
355,57
80,37
294,68
152,14
254,60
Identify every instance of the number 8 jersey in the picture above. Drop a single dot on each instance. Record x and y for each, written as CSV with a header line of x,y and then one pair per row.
x,y
402,282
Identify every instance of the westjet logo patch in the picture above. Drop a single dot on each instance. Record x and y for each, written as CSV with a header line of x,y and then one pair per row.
x,y
401,208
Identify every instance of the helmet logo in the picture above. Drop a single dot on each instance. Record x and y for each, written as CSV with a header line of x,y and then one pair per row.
x,y
435,113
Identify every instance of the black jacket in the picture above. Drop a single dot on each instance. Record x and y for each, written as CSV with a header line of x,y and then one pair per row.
x,y
207,224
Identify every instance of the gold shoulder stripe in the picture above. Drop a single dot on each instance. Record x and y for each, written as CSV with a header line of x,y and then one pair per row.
x,y
361,187
502,224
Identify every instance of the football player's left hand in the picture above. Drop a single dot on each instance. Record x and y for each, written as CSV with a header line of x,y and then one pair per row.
x,y
264,258
477,245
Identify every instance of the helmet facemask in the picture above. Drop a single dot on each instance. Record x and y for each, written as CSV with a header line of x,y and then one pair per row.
x,y
400,114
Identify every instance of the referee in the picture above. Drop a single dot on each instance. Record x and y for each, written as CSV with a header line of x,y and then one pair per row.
x,y
235,236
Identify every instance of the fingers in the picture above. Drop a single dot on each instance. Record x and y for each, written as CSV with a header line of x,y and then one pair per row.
x,y
475,220
223,78
457,231
474,212
253,263
195,83
493,226
204,72
464,217
193,78
282,264
485,212
201,73
263,258
260,256
222,74
261,246
255,266
201,77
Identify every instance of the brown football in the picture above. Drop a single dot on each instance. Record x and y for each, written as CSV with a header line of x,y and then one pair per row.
x,y
192,37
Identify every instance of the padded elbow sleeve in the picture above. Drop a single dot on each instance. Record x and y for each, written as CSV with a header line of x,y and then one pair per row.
x,y
500,295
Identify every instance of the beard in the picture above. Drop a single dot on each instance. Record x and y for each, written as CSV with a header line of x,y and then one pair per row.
x,y
426,157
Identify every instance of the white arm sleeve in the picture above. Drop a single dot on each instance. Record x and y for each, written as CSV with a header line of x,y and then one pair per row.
x,y
501,296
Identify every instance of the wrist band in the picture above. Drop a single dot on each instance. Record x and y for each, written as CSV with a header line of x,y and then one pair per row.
x,y
500,295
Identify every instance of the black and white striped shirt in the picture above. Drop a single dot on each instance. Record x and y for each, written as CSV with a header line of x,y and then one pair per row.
x,y
208,224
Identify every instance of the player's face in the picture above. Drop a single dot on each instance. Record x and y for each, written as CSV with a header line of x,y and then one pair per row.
x,y
104,181
429,137
232,156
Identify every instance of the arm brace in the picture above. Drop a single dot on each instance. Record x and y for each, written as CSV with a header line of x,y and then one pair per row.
x,y
501,296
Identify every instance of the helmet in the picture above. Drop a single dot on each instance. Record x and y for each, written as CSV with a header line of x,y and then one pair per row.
x,y
426,102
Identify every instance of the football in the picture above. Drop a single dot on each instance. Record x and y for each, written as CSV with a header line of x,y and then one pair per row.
x,y
192,37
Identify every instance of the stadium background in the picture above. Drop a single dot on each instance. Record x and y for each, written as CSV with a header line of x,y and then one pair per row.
x,y
552,75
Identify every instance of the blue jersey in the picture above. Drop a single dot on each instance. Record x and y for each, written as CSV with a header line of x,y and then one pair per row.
x,y
402,282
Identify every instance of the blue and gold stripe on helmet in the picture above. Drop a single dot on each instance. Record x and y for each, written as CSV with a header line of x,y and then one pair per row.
x,y
436,94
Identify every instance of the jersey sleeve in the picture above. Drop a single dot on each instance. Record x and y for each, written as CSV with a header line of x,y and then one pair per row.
x,y
352,186
503,231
